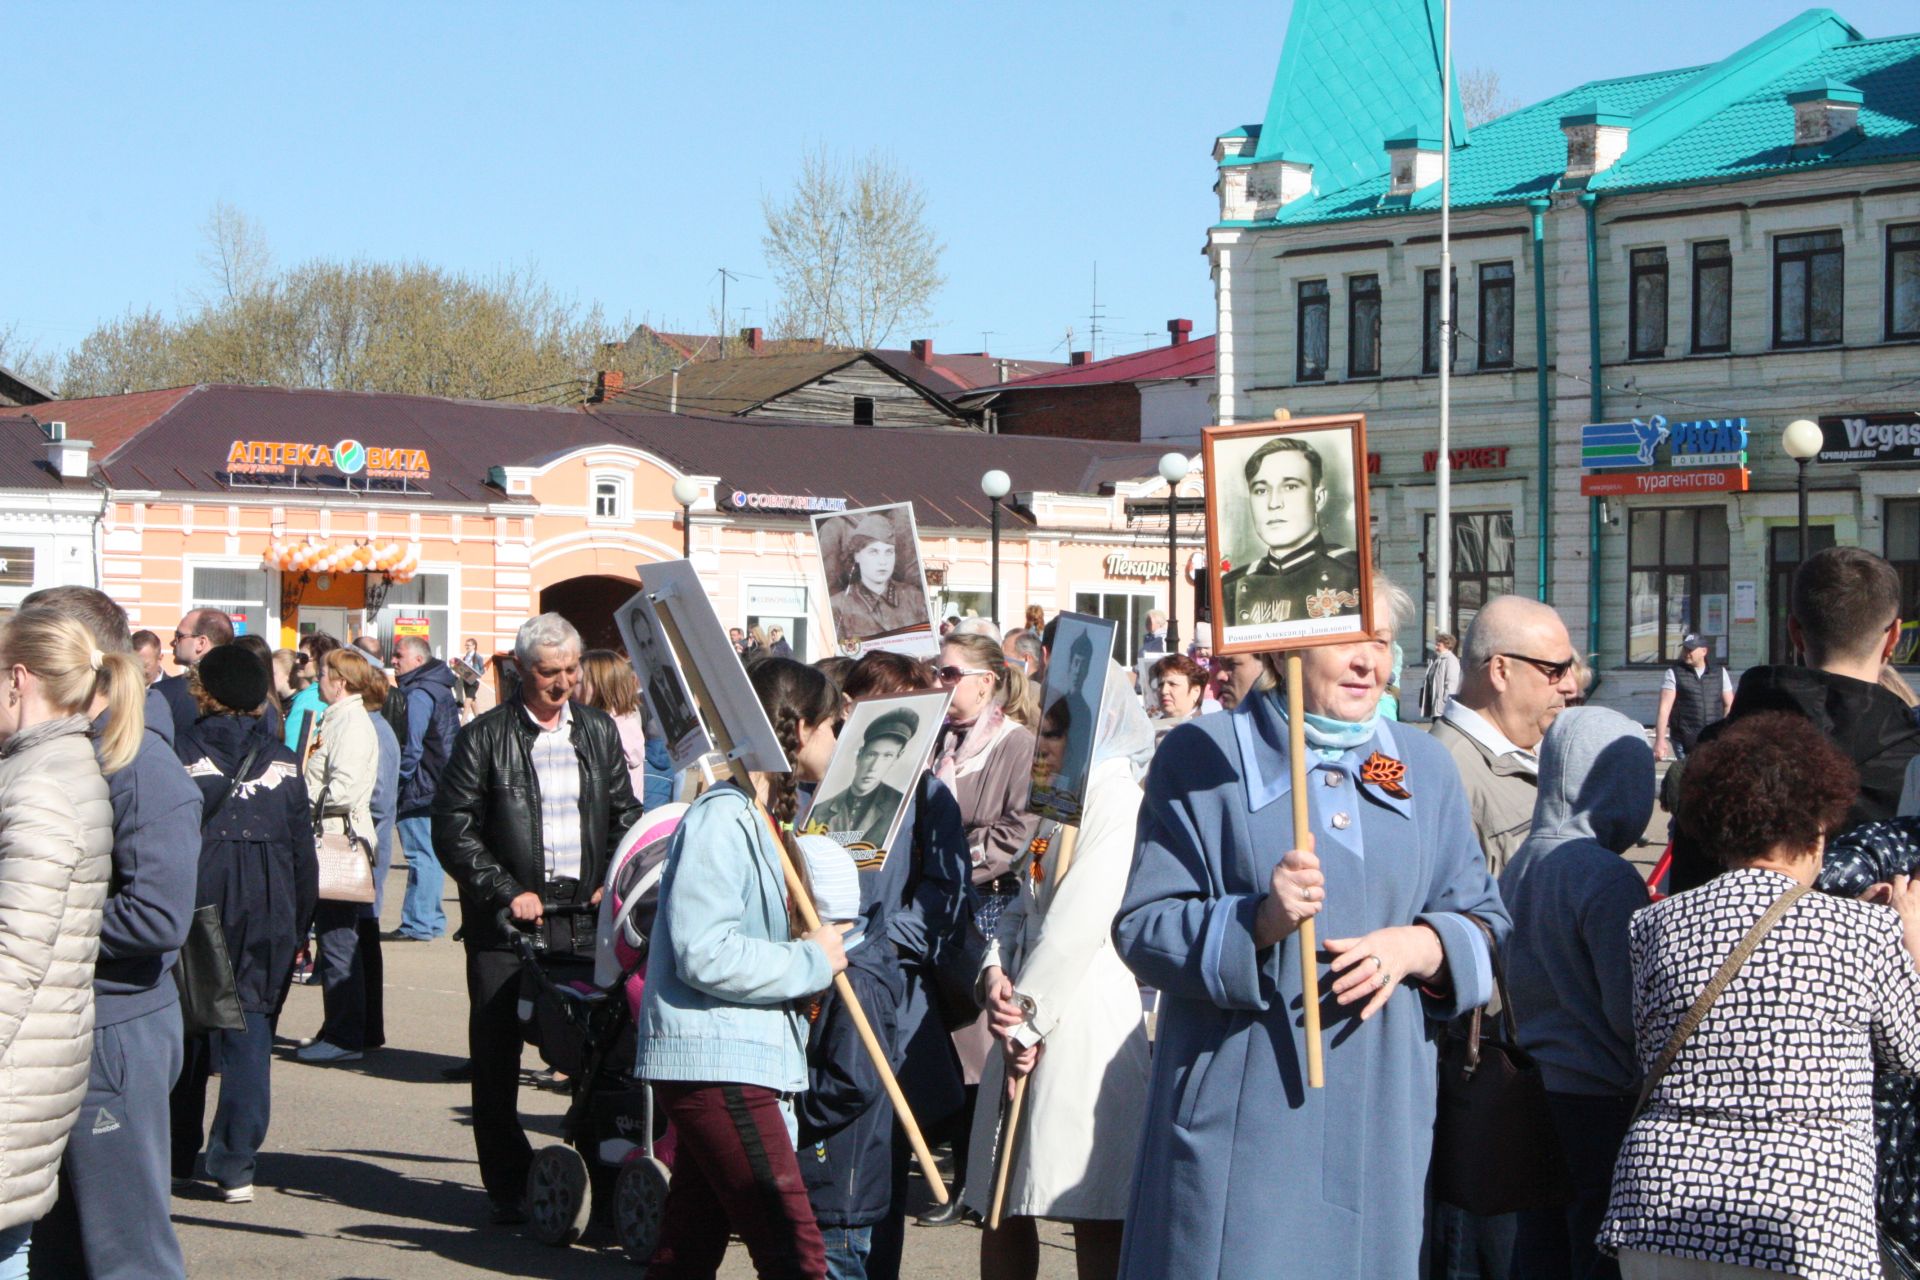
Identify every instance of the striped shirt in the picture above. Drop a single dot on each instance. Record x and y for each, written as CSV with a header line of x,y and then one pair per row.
x,y
556,769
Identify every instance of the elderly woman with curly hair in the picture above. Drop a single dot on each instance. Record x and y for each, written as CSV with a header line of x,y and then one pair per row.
x,y
1752,1152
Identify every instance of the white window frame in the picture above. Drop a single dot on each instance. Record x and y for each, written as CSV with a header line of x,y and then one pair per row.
x,y
270,607
622,497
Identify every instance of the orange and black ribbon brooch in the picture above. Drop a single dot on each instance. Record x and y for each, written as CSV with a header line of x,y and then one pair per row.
x,y
1387,774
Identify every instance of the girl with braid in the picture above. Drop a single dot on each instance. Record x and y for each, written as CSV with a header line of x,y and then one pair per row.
x,y
722,1036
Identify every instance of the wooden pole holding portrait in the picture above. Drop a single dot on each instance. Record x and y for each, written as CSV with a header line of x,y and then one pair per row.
x,y
709,703
1292,569
1069,837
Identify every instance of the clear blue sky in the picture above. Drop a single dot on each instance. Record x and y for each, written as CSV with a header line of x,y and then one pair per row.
x,y
622,149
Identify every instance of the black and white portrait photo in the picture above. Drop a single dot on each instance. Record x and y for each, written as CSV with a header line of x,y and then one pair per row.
x,y
1284,501
1069,715
883,746
705,683
664,688
875,587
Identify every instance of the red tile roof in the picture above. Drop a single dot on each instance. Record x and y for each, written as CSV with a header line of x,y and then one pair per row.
x,y
1188,360
110,421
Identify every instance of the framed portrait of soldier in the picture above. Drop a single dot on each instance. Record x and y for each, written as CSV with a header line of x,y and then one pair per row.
x,y
690,674
1070,715
876,584
883,747
1287,533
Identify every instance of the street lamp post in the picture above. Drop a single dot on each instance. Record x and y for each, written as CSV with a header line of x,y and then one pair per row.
x,y
1802,441
1173,469
996,485
686,492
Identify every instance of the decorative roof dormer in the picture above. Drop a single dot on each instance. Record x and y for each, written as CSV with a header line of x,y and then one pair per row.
x,y
1824,112
1596,138
1253,190
1413,161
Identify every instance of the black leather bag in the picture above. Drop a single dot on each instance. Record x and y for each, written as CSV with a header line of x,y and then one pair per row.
x,y
1495,1149
209,997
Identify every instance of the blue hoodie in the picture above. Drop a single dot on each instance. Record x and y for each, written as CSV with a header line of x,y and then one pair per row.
x,y
845,1117
156,862
1571,895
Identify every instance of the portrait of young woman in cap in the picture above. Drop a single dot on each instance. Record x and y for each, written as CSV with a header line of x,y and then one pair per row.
x,y
873,569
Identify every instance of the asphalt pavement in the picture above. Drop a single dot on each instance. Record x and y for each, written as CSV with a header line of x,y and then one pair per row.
x,y
368,1170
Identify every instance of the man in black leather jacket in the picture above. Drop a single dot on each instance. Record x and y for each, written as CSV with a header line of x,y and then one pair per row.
x,y
529,808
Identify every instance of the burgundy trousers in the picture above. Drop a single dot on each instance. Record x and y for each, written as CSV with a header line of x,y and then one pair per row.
x,y
734,1171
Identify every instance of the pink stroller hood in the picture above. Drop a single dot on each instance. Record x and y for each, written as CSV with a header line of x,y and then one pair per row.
x,y
632,896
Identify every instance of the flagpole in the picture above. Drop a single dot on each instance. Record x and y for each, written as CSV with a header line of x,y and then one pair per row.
x,y
1443,464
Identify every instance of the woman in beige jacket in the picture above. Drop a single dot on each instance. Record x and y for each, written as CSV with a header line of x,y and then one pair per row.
x,y
56,842
342,772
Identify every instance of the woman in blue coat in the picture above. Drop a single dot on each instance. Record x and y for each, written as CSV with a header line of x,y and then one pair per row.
x,y
1242,1168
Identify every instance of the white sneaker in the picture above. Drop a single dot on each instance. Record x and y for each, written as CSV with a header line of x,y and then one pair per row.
x,y
237,1195
325,1051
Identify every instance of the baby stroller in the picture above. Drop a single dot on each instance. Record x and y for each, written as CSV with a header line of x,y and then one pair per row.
x,y
583,1023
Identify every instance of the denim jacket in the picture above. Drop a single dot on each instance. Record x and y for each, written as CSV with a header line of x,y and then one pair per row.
x,y
722,974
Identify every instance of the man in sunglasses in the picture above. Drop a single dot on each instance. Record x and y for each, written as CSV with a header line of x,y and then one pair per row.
x,y
1517,675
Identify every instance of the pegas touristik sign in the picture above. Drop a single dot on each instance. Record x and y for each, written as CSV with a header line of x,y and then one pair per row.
x,y
1654,456
349,457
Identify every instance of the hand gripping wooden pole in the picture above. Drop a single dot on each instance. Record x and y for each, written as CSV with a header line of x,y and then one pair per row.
x,y
1069,837
803,901
1303,839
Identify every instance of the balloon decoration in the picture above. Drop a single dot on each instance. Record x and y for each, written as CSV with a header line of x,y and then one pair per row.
x,y
318,555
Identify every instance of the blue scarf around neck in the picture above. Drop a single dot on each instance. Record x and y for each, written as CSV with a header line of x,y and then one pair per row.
x,y
1329,738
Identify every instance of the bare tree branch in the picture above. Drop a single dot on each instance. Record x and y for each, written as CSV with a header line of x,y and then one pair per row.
x,y
1481,98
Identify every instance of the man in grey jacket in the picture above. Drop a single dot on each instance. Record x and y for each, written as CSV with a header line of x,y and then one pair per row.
x,y
1572,894
1517,674
114,1215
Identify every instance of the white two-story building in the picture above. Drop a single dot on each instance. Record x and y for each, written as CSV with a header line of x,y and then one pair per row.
x,y
1738,242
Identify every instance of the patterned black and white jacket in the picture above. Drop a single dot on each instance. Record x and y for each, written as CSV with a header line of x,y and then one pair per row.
x,y
1757,1147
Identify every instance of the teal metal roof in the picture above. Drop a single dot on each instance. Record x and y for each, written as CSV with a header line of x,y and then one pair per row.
x,y
1352,73
1754,134
1690,126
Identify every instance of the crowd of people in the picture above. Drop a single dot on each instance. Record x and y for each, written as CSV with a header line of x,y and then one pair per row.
x,y
1727,1072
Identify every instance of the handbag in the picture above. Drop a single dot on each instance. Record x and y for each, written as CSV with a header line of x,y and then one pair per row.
x,y
209,997
1495,1149
346,865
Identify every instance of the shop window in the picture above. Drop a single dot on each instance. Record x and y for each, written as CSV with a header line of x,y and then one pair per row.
x,y
1496,315
1129,610
1783,558
245,595
1430,322
408,604
1363,327
1647,325
1677,577
1310,333
609,499
1482,566
863,411
1903,283
1806,289
1712,298
1901,527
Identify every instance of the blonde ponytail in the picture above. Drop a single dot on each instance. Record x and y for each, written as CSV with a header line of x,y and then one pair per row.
x,y
124,685
72,671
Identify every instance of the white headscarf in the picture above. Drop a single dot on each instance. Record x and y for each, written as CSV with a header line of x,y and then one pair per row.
x,y
1124,732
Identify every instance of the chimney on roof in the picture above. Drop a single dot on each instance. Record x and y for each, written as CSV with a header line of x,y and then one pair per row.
x,y
1181,330
1823,112
1079,357
607,384
1596,138
751,338
67,458
1413,161
922,349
